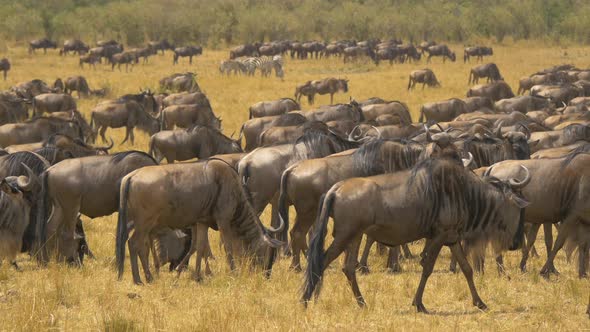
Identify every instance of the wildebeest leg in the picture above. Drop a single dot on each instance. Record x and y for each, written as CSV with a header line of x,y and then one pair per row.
x,y
530,241
200,232
350,268
500,265
303,222
458,253
190,60
381,249
407,251
567,225
138,247
548,232
393,265
331,98
157,263
429,256
363,264
453,264
102,131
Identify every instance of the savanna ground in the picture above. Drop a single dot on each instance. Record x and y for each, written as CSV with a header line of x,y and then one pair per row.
x,y
60,297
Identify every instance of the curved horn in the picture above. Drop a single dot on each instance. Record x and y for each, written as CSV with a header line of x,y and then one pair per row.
x,y
467,162
498,132
26,182
515,184
488,171
106,148
350,135
526,129
428,137
378,132
440,127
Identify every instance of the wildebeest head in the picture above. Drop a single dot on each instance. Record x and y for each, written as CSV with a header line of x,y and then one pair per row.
x,y
344,85
18,187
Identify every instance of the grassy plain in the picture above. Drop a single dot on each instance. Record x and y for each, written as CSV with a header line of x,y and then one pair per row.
x,y
90,298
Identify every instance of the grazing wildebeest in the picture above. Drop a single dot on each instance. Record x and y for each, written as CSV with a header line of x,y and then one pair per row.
x,y
88,185
128,114
15,208
494,91
274,107
37,130
424,76
43,43
562,177
161,45
253,128
77,83
303,183
326,86
442,111
411,205
53,102
28,90
477,51
4,67
90,59
261,169
489,70
187,51
180,83
186,116
126,57
526,83
75,45
355,52
213,197
196,142
440,50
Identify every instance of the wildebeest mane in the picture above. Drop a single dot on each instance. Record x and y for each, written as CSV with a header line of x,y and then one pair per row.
x,y
381,156
289,119
486,151
318,144
575,132
582,149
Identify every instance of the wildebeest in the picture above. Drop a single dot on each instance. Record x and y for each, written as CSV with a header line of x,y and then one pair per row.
x,y
90,59
442,111
274,107
88,185
53,102
476,103
126,57
440,50
196,142
559,95
143,52
75,45
392,112
15,209
411,205
186,116
494,91
187,51
128,114
161,45
28,90
213,197
477,51
355,52
526,83
490,71
186,98
37,130
12,108
106,51
4,67
425,76
289,134
326,86
523,104
43,43
244,50
180,83
253,128
68,147
556,138
77,83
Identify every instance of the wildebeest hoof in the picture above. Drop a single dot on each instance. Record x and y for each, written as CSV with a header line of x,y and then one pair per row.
x,y
480,305
546,272
363,269
421,308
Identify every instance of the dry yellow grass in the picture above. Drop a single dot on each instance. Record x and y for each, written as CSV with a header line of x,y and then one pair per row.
x,y
59,297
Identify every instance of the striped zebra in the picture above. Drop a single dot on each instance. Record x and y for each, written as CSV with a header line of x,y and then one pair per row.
x,y
265,64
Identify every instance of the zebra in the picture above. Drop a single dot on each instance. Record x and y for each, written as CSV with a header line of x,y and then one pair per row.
x,y
229,66
265,64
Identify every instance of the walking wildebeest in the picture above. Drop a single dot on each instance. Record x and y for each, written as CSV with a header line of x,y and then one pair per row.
x,y
43,43
88,185
196,142
186,116
4,67
274,107
440,50
75,45
424,76
411,205
490,71
494,91
161,45
53,102
187,51
213,196
477,51
128,114
126,57
37,130
326,86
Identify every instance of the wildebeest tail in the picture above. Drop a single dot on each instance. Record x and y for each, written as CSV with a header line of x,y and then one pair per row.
x,y
283,204
245,175
41,220
315,254
122,231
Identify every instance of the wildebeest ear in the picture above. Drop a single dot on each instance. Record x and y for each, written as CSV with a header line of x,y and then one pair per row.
x,y
519,201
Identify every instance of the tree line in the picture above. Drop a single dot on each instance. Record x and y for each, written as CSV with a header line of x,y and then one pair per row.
x,y
228,22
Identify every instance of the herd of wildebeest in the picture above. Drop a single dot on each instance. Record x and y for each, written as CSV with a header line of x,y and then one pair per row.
x,y
482,171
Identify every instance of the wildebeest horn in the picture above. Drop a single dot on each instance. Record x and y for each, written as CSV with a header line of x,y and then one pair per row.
x,y
232,134
378,132
440,127
498,132
515,184
467,162
350,135
488,171
528,132
26,182
428,137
